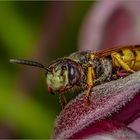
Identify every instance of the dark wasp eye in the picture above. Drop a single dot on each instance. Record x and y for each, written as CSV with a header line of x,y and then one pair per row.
x,y
73,74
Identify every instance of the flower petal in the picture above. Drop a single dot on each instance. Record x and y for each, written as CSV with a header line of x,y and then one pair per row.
x,y
107,99
106,130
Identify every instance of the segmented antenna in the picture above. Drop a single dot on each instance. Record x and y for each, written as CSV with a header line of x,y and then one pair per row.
x,y
28,62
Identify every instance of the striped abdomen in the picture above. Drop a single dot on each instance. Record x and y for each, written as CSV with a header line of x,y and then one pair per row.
x,y
127,56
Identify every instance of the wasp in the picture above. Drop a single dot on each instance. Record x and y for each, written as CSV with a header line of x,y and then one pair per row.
x,y
86,69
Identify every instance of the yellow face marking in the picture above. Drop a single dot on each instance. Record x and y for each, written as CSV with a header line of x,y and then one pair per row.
x,y
55,80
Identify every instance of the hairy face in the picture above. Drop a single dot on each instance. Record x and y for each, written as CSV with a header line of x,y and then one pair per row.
x,y
57,78
63,75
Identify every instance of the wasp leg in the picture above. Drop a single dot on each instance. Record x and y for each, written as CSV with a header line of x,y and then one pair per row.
x,y
62,100
90,76
121,62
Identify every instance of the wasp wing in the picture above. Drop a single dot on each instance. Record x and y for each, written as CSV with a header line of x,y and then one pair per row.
x,y
107,52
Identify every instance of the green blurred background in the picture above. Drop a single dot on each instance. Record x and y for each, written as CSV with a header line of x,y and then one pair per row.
x,y
40,31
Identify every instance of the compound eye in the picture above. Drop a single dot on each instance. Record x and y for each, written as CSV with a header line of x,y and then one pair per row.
x,y
71,71
73,74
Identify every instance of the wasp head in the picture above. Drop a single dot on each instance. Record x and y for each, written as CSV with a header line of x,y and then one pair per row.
x,y
62,75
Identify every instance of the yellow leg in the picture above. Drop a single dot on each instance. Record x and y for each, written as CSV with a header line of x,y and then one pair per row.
x,y
62,100
90,76
115,56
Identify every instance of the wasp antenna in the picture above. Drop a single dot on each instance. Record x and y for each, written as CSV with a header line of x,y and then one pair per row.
x,y
28,62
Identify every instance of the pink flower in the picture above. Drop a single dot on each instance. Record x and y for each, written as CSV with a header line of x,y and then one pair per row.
x,y
114,106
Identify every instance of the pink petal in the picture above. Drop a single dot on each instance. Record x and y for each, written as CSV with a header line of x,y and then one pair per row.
x,y
115,105
108,99
106,129
109,24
